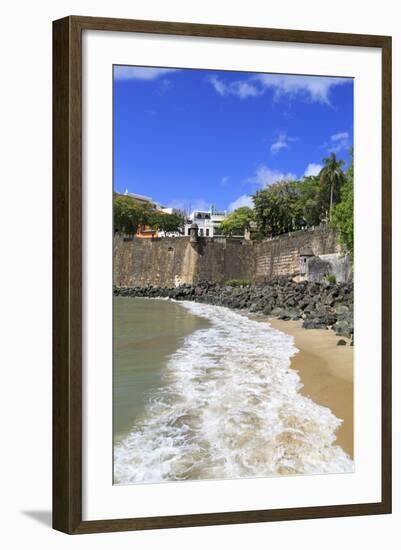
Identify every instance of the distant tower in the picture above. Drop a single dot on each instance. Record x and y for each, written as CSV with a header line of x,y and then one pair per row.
x,y
193,233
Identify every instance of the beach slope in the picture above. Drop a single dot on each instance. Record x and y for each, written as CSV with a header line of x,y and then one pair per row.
x,y
326,370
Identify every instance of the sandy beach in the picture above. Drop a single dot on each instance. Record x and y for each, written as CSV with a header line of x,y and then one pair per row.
x,y
326,370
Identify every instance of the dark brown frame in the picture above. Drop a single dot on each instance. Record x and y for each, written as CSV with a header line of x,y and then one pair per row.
x,y
67,278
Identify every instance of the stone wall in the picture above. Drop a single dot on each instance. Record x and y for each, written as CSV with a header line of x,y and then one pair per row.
x,y
223,259
170,262
164,262
280,256
337,265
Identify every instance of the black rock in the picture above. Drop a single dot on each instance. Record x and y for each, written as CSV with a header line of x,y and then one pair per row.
x,y
342,328
341,343
342,312
319,305
313,323
277,311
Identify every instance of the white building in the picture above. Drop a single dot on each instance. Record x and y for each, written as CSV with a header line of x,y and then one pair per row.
x,y
208,222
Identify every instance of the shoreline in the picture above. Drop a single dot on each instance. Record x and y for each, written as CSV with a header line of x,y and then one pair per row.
x,y
326,371
319,305
223,427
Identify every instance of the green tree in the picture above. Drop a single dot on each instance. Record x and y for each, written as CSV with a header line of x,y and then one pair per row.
x,y
129,214
277,208
343,212
166,222
309,200
331,178
237,221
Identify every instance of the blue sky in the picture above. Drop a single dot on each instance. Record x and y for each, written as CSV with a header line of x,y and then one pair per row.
x,y
192,138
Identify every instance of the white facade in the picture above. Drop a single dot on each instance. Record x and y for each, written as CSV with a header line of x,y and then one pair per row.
x,y
208,222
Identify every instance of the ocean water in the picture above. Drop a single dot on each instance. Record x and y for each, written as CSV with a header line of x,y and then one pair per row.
x,y
224,404
146,334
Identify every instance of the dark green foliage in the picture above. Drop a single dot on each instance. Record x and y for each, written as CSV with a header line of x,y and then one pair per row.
x,y
331,179
287,206
277,208
165,222
237,221
343,213
311,201
257,236
130,214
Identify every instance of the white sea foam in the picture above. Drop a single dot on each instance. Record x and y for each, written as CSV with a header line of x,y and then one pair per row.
x,y
230,408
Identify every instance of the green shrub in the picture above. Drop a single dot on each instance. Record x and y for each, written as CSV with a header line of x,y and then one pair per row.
x,y
238,282
331,279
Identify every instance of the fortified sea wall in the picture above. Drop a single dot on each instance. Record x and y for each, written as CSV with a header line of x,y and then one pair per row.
x,y
169,262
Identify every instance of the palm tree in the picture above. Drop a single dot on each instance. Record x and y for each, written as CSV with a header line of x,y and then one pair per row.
x,y
332,175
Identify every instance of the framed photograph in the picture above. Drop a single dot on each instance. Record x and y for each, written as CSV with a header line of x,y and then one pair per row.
x,y
221,275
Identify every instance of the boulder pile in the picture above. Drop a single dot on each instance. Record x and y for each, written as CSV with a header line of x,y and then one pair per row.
x,y
318,305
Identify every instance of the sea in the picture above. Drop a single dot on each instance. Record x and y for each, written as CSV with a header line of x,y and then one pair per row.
x,y
204,392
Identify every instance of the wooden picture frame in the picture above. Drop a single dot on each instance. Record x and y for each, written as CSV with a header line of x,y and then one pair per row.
x,y
67,274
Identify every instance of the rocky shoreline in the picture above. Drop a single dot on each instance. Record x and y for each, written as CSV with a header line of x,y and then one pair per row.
x,y
319,305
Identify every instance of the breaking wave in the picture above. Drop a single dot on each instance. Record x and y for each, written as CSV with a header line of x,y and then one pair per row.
x,y
230,408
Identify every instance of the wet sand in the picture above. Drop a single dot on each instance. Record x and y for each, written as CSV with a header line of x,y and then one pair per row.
x,y
326,370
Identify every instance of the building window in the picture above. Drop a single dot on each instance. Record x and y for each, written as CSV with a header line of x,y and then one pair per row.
x,y
201,232
207,232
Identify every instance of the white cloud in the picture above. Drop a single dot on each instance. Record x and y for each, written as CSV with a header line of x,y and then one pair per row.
x,y
224,180
340,136
282,142
124,72
338,142
265,176
239,88
312,88
218,85
243,200
312,169
244,89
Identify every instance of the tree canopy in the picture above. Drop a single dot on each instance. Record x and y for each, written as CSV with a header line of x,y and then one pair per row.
x,y
237,221
277,208
343,212
130,215
332,179
287,206
166,222
311,202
